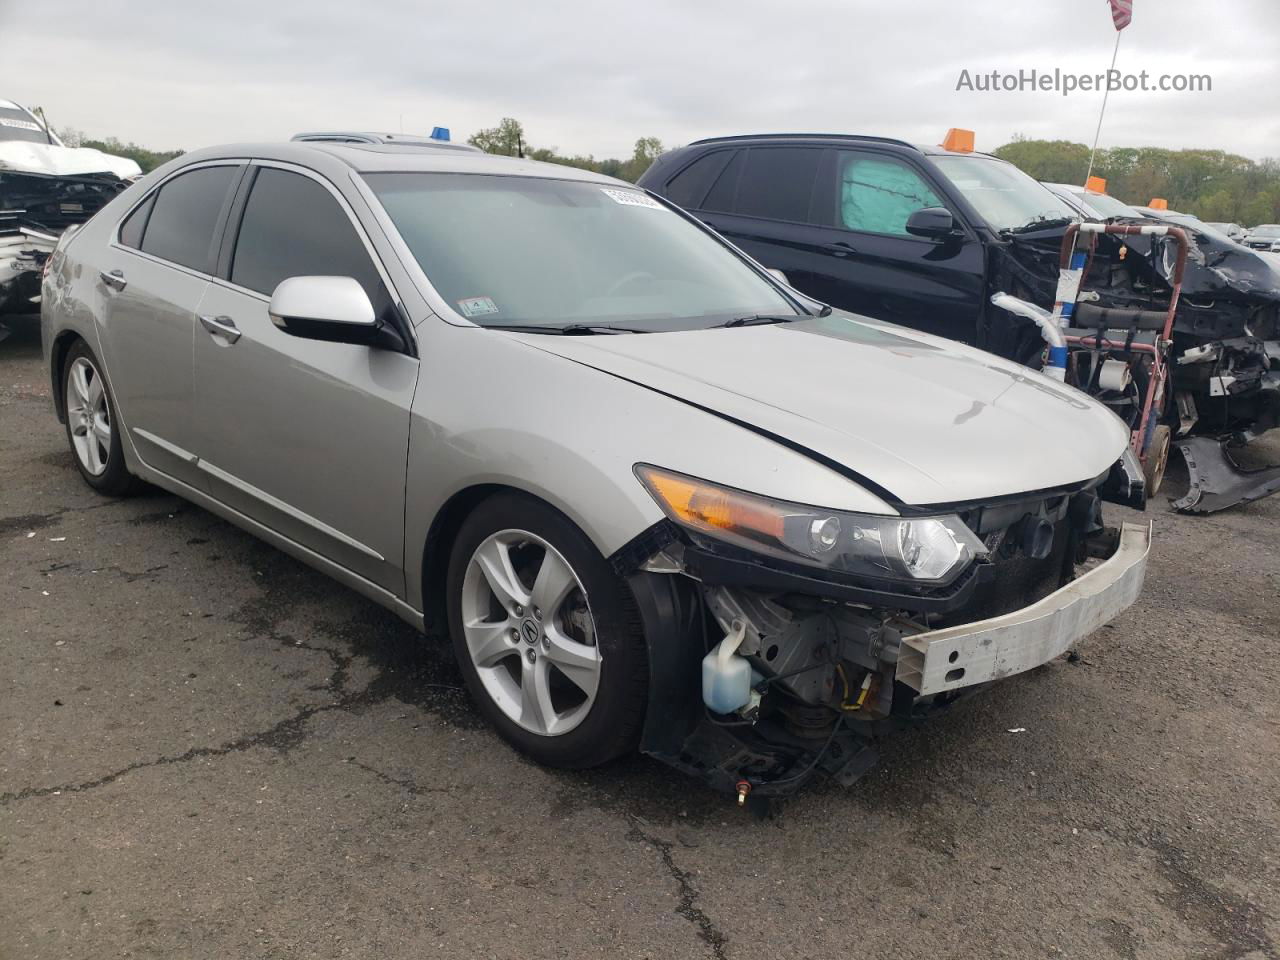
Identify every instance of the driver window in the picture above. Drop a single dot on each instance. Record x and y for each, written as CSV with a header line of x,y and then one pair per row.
x,y
879,193
293,227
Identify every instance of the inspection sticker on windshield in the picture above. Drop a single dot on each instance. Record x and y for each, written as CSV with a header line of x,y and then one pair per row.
x,y
477,306
631,198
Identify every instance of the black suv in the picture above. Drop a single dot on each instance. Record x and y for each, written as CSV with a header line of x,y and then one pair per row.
x,y
923,236
871,225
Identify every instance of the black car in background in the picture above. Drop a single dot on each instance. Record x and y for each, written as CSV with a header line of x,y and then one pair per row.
x,y
923,236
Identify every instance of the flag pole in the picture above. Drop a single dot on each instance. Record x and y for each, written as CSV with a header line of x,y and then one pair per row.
x,y
1105,94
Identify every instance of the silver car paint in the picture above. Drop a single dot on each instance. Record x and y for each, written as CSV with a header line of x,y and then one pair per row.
x,y
344,456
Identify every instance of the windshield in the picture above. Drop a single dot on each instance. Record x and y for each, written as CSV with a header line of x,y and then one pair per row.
x,y
1194,223
1106,205
18,125
525,251
1006,197
1267,230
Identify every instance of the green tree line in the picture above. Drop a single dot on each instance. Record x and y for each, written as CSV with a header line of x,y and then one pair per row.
x,y
1214,185
508,138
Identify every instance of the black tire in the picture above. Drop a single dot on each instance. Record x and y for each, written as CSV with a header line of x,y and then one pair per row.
x,y
115,480
612,725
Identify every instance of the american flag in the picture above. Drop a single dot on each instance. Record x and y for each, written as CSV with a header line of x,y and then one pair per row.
x,y
1121,13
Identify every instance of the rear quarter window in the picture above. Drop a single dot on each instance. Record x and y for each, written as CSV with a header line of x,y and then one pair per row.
x,y
688,187
185,215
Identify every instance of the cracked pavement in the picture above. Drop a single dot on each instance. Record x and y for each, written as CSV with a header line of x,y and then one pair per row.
x,y
209,750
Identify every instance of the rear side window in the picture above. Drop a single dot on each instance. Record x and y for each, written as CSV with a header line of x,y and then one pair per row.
x,y
777,183
135,223
690,185
185,215
878,194
724,191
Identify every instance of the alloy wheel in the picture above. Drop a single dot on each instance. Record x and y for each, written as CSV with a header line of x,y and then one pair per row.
x,y
530,632
89,416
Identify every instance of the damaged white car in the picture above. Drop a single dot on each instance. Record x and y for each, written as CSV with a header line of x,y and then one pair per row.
x,y
45,187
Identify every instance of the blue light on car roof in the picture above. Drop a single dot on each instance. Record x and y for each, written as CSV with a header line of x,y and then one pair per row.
x,y
439,133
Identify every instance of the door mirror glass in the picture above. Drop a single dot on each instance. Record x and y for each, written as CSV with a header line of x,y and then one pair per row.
x,y
324,308
935,223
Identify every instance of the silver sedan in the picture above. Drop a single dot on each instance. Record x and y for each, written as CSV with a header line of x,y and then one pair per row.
x,y
656,497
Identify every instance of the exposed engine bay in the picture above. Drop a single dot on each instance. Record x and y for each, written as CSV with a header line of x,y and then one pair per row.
x,y
34,211
45,188
824,671
1226,343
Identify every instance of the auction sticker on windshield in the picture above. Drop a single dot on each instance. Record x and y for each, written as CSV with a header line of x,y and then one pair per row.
x,y
631,198
477,306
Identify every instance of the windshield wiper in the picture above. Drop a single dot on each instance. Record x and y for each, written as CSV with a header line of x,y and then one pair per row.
x,y
759,319
564,330
1041,223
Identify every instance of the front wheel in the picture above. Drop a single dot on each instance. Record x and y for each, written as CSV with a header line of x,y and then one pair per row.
x,y
546,634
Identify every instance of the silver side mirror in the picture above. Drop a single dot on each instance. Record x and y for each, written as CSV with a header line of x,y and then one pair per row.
x,y
778,275
324,308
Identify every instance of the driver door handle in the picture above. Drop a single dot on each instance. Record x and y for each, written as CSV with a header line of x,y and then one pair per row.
x,y
839,248
223,327
115,279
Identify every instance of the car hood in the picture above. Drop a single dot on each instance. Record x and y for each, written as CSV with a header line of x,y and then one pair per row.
x,y
926,420
53,160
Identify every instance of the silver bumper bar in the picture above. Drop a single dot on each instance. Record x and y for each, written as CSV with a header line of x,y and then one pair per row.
x,y
971,653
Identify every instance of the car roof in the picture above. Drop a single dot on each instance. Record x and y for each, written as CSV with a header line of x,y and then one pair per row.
x,y
364,136
928,149
329,157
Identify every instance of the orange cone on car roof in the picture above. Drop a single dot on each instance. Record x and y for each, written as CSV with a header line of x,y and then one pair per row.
x,y
958,140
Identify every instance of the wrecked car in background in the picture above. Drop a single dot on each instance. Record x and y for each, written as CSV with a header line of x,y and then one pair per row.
x,y
45,188
924,236
659,498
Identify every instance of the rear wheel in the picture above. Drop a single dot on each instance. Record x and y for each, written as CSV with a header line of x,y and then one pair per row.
x,y
92,424
1157,458
546,634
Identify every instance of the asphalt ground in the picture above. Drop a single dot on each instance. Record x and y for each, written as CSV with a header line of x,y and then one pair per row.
x,y
209,750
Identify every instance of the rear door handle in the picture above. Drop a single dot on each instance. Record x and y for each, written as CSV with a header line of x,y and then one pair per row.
x,y
223,327
115,279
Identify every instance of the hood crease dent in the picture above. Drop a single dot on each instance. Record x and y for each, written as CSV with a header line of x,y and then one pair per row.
x,y
915,419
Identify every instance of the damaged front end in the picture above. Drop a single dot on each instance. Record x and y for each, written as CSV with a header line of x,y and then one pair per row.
x,y
35,210
1226,335
766,673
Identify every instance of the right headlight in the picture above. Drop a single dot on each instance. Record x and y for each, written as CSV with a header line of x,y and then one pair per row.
x,y
924,550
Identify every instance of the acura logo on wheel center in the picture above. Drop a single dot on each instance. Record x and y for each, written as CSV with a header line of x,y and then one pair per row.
x,y
530,631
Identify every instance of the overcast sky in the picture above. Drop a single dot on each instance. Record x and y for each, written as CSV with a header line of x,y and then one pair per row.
x,y
592,77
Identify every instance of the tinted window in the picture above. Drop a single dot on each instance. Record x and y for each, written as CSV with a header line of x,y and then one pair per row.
x,y
293,227
185,214
879,193
527,250
724,191
690,185
131,229
777,183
